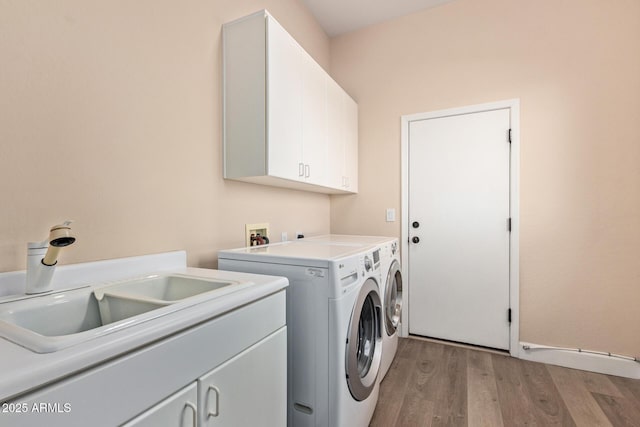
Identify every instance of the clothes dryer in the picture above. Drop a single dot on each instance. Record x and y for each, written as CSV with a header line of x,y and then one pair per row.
x,y
334,326
391,303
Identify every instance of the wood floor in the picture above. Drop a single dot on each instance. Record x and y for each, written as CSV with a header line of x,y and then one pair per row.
x,y
432,384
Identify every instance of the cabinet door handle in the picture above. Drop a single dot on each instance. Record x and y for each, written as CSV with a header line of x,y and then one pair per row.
x,y
217,411
194,413
307,171
300,169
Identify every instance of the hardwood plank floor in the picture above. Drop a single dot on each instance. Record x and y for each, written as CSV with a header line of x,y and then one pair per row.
x,y
482,391
432,384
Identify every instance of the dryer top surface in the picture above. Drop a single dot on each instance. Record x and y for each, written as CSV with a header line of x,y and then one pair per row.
x,y
340,239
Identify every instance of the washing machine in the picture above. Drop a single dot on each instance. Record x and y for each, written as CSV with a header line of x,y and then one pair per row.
x,y
391,289
334,326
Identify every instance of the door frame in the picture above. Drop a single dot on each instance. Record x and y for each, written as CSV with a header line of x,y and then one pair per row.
x,y
514,207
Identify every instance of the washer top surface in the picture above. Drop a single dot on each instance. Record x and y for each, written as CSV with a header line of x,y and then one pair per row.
x,y
298,250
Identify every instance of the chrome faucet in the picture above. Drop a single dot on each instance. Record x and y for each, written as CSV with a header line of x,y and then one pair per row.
x,y
42,258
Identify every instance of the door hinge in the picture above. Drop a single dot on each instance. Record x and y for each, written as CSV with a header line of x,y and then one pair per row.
x,y
509,315
508,224
509,136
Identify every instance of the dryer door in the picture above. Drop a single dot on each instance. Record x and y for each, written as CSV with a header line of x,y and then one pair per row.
x,y
393,299
365,342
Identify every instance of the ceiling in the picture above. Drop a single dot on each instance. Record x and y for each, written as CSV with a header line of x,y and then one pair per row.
x,y
342,16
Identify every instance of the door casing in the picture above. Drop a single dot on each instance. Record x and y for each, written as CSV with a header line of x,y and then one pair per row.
x,y
514,272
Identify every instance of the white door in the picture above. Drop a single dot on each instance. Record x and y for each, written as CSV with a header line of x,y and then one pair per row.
x,y
459,228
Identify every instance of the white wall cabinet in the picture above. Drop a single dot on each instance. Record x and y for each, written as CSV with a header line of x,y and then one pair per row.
x,y
342,124
286,122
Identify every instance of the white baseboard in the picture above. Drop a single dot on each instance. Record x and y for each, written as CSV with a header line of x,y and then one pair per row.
x,y
580,360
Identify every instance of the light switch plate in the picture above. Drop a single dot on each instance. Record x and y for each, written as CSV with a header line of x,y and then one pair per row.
x,y
391,214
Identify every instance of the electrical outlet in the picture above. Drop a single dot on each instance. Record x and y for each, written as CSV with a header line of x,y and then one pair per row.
x,y
284,236
255,229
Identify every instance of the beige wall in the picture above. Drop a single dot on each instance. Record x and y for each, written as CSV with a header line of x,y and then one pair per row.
x,y
575,66
110,114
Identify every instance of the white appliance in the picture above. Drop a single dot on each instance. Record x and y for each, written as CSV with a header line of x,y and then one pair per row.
x,y
391,290
334,322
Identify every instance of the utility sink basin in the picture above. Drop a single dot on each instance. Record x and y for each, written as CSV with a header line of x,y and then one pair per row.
x,y
52,322
48,323
164,289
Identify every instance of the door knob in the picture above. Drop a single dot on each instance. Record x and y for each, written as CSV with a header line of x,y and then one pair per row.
x,y
415,224
416,239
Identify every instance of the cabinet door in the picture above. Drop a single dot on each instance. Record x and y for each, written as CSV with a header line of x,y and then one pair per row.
x,y
177,410
336,124
351,145
314,121
342,130
249,389
284,99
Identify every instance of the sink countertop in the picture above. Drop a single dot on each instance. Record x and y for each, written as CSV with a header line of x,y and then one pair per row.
x,y
24,370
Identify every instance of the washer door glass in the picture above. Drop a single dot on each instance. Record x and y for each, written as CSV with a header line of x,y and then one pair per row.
x,y
364,342
366,337
393,299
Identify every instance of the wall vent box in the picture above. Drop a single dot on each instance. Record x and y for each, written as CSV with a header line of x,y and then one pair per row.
x,y
255,229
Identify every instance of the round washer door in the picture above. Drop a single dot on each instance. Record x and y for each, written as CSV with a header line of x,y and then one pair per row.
x,y
365,344
393,299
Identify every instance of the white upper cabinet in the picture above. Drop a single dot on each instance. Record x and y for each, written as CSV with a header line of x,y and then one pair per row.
x,y
286,122
284,106
342,139
351,145
314,121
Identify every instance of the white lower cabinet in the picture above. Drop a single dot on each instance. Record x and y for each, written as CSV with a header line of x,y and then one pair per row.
x,y
177,410
228,371
247,390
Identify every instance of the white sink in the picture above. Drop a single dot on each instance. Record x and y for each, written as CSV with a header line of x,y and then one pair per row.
x,y
52,322
164,289
48,323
